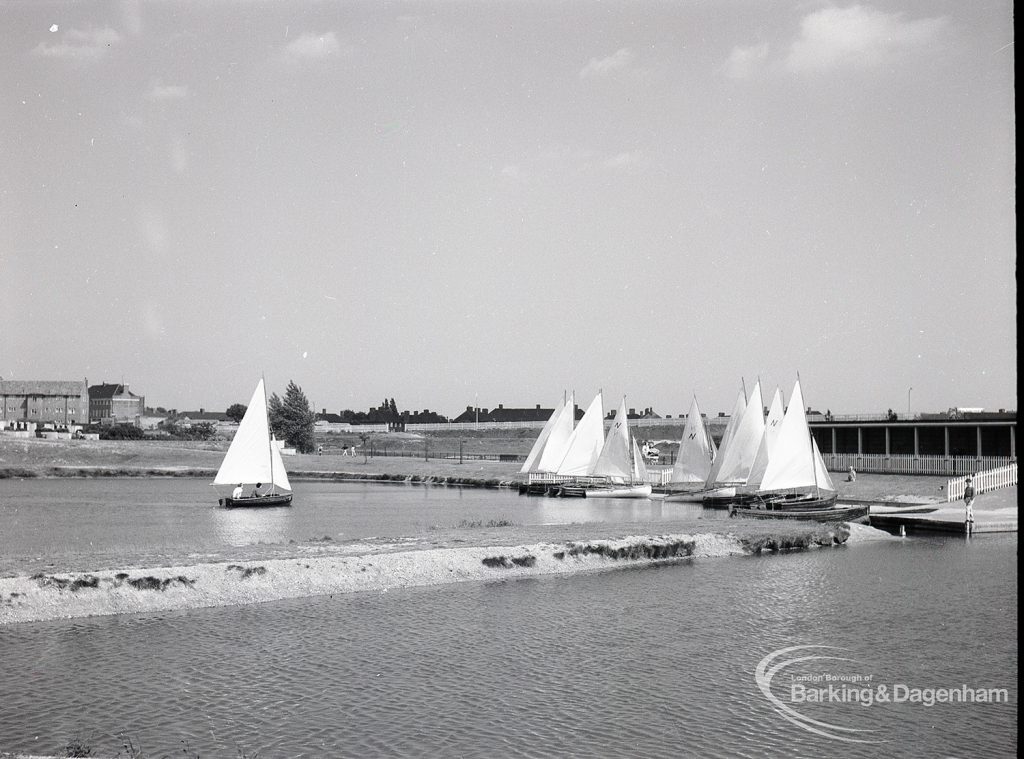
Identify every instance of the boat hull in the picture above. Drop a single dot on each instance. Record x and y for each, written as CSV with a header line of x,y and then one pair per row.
x,y
624,491
831,514
598,491
260,501
686,496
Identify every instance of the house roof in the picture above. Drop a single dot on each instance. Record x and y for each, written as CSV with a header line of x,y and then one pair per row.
x,y
110,391
205,416
42,387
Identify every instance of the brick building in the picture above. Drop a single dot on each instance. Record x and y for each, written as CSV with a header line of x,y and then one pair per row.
x,y
115,404
44,402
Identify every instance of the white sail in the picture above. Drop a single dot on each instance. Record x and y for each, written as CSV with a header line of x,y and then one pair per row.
x,y
533,459
251,457
614,460
558,438
696,450
738,457
730,429
639,467
820,472
586,442
771,433
791,464
280,478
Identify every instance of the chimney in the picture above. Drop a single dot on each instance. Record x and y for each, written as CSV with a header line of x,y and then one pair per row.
x,y
538,407
202,411
501,405
323,411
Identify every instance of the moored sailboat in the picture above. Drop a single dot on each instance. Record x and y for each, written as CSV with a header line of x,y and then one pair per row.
x,y
620,471
795,480
736,455
253,461
694,460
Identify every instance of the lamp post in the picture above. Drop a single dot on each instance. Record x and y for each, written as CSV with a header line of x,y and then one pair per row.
x,y
908,401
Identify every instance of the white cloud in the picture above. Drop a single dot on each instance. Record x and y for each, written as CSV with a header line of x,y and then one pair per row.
x,y
620,59
746,61
857,36
314,46
80,44
166,92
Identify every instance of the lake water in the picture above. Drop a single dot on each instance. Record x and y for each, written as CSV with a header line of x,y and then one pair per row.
x,y
91,524
659,661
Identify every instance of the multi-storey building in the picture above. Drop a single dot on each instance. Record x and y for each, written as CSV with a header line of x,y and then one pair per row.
x,y
44,402
115,404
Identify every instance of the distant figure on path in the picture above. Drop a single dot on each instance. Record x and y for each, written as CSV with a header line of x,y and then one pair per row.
x,y
237,492
969,506
319,450
852,476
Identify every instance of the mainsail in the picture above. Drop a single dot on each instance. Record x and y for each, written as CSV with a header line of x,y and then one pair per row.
x,y
615,458
586,442
730,430
794,461
549,449
738,456
253,456
696,450
771,433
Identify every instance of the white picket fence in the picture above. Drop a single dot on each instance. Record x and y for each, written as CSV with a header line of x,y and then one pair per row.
x,y
1003,477
910,464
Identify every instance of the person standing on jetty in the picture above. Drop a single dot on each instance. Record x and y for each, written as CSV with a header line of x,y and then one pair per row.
x,y
969,506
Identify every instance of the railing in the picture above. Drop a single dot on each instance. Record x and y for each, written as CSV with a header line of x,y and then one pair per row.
x,y
1003,477
910,464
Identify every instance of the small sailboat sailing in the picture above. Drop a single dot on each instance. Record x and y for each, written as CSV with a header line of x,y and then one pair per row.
x,y
694,460
253,461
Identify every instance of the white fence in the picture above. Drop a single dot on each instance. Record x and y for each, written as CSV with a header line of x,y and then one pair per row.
x,y
910,464
1003,477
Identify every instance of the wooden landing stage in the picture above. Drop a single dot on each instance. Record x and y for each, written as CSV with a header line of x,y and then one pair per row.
x,y
946,520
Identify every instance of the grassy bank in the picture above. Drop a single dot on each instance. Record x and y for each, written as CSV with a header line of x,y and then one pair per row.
x,y
82,458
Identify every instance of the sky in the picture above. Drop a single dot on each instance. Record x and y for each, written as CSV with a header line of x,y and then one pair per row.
x,y
474,203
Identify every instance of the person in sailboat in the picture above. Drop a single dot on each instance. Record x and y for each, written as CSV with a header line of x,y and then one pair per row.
x,y
237,492
256,490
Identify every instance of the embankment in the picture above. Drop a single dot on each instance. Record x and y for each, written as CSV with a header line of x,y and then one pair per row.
x,y
130,590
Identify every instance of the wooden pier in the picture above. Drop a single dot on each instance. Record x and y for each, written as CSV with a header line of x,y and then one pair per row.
x,y
949,520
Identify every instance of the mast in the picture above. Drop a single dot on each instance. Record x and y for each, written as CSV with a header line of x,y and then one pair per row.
x,y
270,436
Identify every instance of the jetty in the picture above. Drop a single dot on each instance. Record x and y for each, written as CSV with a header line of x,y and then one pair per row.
x,y
994,511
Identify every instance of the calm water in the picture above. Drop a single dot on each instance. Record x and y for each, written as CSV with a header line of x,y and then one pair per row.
x,y
91,524
649,662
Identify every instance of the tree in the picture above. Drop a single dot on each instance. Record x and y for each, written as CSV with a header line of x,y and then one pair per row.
x,y
236,411
292,418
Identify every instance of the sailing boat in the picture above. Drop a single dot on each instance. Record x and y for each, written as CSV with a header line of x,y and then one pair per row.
x,y
694,461
736,455
620,464
795,483
549,449
253,461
